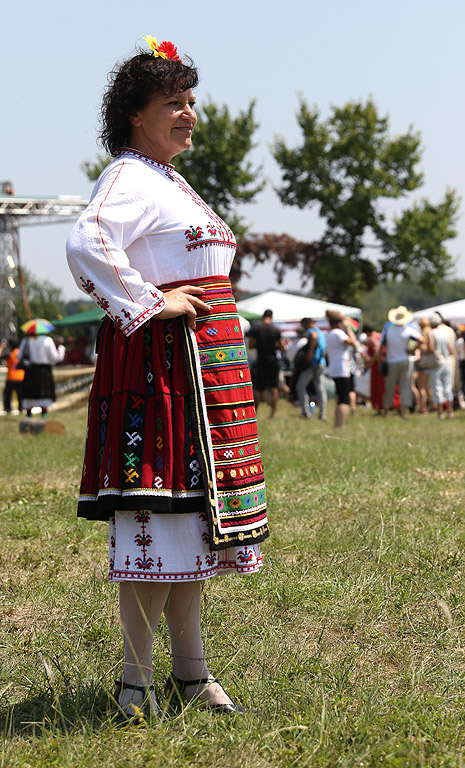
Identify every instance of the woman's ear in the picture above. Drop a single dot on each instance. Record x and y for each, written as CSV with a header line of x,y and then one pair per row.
x,y
135,119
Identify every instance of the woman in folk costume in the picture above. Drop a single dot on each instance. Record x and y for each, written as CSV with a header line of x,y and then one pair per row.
x,y
38,384
172,456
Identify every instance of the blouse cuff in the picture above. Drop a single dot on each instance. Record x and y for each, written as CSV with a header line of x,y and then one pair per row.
x,y
144,316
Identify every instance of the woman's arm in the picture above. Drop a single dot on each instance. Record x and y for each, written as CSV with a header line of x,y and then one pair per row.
x,y
351,340
116,217
429,342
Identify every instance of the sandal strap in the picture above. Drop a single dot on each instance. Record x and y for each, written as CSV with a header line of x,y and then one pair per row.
x,y
141,688
173,683
182,684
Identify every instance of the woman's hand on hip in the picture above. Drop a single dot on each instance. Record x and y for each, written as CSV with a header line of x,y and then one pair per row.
x,y
184,301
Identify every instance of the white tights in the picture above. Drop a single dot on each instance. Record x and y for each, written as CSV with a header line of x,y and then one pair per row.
x,y
141,606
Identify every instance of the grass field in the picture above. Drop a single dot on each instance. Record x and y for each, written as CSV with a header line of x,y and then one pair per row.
x,y
350,641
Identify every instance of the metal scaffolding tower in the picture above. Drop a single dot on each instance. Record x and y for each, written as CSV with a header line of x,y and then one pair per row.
x,y
16,212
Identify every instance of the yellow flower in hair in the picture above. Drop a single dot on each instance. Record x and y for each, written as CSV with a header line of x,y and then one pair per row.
x,y
152,41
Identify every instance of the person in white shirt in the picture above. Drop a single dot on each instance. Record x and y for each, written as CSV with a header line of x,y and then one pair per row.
x,y
339,339
452,359
440,343
38,384
172,455
400,340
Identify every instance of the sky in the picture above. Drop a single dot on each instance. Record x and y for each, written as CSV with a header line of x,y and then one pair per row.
x,y
408,55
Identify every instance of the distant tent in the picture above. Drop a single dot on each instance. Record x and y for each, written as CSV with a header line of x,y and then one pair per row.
x,y
454,311
92,315
287,307
251,316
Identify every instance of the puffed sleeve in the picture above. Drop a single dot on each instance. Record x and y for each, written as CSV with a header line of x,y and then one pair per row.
x,y
96,250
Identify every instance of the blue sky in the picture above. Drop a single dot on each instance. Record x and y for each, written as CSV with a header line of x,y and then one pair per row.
x,y
407,54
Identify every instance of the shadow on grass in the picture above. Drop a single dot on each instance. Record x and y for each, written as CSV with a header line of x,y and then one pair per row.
x,y
48,712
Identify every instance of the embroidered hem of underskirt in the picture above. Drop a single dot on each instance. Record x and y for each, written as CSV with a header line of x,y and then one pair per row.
x,y
145,546
37,402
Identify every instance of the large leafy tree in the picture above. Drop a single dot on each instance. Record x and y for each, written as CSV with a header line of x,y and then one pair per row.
x,y
44,298
349,166
217,165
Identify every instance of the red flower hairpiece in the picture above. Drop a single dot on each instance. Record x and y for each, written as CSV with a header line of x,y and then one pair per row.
x,y
165,49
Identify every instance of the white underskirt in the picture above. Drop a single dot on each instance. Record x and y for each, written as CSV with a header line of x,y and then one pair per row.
x,y
36,402
146,546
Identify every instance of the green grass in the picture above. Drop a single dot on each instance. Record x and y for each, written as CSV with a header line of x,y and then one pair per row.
x,y
350,640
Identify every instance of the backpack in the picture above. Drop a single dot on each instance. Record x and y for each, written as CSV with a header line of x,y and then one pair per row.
x,y
300,362
24,360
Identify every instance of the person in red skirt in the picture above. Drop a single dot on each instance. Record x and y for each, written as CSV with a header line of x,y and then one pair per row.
x,y
172,456
372,361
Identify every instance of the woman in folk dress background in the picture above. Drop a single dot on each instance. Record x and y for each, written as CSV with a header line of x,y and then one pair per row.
x,y
38,383
172,456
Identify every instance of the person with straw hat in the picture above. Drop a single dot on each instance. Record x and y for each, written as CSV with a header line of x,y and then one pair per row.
x,y
399,340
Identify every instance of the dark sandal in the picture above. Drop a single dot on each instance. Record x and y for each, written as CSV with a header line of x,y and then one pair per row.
x,y
141,714
175,695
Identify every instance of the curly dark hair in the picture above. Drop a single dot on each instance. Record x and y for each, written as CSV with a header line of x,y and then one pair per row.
x,y
131,85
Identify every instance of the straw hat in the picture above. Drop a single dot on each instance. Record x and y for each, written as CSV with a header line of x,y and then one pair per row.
x,y
400,315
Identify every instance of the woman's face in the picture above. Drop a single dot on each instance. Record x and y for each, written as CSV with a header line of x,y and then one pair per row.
x,y
163,128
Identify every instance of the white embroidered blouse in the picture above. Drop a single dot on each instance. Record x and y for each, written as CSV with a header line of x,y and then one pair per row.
x,y
144,226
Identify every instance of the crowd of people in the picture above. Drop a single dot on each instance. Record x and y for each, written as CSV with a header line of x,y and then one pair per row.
x,y
416,367
412,367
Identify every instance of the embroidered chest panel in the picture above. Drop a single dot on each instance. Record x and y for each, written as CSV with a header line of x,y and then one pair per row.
x,y
205,230
215,232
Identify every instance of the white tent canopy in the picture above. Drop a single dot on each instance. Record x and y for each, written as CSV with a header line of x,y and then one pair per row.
x,y
454,311
287,307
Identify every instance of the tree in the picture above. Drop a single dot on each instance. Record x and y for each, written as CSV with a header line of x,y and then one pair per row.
x,y
283,250
348,165
45,299
376,304
216,166
93,170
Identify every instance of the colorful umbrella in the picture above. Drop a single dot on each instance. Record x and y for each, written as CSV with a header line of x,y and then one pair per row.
x,y
354,324
37,326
